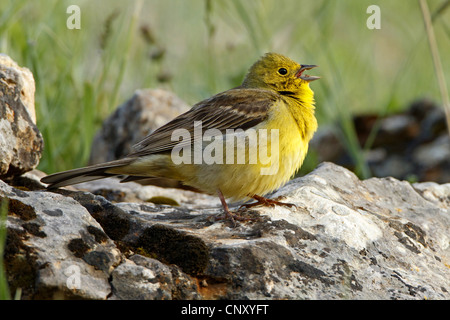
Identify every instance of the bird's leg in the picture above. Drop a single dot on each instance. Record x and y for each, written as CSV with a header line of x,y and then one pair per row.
x,y
261,201
228,214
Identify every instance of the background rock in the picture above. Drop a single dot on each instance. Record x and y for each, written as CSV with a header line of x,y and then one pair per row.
x,y
412,145
146,111
347,239
21,142
13,74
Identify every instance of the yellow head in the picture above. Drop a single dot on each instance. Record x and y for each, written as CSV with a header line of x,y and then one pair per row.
x,y
279,73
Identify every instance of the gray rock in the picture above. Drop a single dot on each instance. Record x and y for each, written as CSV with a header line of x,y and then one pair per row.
x,y
132,281
143,278
21,142
379,238
54,248
23,79
433,153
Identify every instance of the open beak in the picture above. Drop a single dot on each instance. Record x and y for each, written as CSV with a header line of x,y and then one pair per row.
x,y
306,77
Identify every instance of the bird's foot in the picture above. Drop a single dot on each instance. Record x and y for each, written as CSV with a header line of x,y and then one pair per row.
x,y
228,215
261,201
233,217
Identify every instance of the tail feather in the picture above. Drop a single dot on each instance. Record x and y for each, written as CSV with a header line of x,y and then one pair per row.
x,y
94,172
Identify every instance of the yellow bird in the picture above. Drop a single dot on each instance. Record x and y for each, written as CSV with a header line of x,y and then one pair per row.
x,y
241,143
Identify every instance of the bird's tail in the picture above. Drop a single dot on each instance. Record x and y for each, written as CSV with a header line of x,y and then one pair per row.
x,y
94,172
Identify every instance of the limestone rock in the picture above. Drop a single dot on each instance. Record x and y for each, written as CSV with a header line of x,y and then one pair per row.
x,y
54,248
12,74
379,238
21,142
143,278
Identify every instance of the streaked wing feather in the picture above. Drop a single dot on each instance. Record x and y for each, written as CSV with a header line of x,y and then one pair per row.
x,y
232,109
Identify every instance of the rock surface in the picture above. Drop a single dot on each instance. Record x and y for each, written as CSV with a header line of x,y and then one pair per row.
x,y
347,239
53,244
21,142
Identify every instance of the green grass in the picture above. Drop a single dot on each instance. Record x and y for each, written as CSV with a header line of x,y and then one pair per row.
x,y
4,289
197,48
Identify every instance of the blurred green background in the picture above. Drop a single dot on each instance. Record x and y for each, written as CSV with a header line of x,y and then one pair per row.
x,y
197,48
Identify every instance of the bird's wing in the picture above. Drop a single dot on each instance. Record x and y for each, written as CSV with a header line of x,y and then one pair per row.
x,y
239,108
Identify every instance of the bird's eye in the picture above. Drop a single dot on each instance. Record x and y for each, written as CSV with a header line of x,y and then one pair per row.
x,y
282,71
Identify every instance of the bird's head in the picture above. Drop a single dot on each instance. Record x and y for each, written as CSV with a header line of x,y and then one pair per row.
x,y
277,72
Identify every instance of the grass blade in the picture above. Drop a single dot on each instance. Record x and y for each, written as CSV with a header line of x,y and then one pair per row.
x,y
436,60
4,289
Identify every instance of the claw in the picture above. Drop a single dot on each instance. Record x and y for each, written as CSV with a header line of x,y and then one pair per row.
x,y
261,201
228,215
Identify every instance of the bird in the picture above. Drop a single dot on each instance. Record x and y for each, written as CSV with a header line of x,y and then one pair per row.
x,y
240,144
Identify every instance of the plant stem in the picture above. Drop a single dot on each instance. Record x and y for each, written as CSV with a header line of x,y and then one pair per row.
x,y
126,54
436,60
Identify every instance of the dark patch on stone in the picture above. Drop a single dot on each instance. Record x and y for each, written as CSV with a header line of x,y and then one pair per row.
x,y
78,247
34,229
20,263
20,193
22,183
98,234
113,220
99,260
310,271
53,213
174,247
20,209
